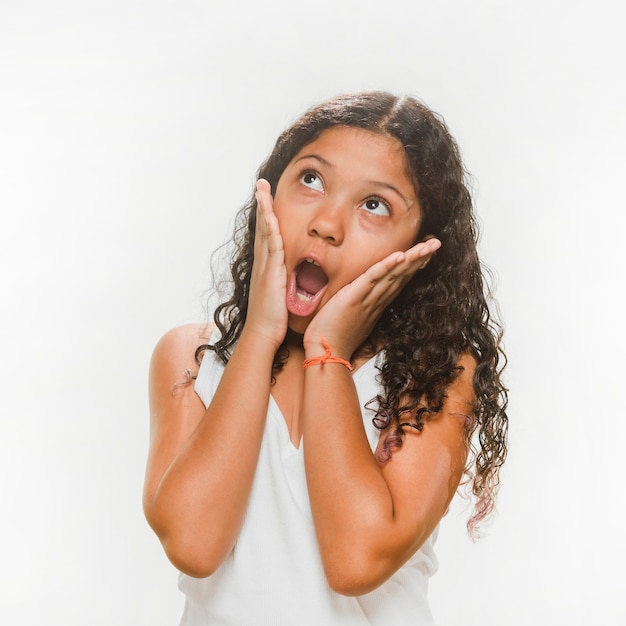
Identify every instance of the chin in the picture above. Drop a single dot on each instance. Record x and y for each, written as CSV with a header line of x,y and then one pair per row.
x,y
298,324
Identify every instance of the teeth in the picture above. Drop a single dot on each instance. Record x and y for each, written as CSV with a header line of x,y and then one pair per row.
x,y
312,262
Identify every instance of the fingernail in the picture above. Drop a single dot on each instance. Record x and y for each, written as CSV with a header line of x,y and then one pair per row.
x,y
263,185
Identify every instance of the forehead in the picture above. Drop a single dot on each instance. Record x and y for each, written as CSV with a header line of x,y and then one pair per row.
x,y
360,150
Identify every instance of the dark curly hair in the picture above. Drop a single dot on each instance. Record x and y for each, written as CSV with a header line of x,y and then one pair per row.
x,y
442,312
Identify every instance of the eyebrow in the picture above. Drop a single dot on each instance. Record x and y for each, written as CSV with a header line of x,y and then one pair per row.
x,y
380,183
395,189
322,160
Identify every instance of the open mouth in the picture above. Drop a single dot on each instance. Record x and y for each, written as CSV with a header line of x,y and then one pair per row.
x,y
310,279
306,286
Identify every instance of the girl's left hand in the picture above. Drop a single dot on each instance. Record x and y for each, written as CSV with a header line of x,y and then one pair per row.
x,y
347,319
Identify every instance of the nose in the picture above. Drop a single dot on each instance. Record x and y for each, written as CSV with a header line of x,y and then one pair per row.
x,y
327,222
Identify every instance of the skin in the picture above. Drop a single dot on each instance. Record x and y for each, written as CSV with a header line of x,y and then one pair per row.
x,y
347,202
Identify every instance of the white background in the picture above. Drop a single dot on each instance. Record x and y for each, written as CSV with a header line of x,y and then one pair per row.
x,y
130,131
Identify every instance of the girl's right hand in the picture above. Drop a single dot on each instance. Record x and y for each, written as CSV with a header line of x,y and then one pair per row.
x,y
267,311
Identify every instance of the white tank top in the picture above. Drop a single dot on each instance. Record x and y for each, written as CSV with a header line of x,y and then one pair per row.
x,y
274,574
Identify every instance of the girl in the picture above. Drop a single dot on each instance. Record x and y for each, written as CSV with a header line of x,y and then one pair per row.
x,y
302,478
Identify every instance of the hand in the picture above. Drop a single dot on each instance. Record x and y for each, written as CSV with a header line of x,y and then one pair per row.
x,y
267,311
348,317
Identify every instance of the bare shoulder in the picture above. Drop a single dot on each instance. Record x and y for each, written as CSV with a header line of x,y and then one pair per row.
x,y
173,362
177,347
184,336
450,424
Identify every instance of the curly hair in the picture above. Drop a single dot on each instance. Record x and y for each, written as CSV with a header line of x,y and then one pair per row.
x,y
442,312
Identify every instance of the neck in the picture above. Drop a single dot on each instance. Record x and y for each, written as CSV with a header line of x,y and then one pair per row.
x,y
293,340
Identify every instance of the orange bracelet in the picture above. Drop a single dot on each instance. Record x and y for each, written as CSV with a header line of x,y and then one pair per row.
x,y
327,357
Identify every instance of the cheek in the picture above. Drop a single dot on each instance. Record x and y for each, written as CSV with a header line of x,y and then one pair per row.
x,y
361,262
283,207
279,208
412,235
403,240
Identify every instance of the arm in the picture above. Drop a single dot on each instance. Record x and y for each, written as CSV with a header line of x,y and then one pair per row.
x,y
202,462
371,518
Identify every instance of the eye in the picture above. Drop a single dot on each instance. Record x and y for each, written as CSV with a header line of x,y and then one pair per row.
x,y
377,206
312,180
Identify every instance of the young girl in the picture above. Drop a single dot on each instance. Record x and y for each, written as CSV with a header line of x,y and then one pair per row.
x,y
302,478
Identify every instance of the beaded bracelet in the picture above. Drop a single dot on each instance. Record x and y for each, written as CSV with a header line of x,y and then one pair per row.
x,y
327,357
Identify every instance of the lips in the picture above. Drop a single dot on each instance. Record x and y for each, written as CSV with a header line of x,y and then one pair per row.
x,y
307,285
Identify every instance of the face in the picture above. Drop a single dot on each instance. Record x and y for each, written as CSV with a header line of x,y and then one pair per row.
x,y
343,203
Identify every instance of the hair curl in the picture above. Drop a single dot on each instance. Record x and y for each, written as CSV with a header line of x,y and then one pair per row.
x,y
440,314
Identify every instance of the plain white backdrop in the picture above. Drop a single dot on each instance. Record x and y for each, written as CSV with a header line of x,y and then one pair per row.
x,y
130,132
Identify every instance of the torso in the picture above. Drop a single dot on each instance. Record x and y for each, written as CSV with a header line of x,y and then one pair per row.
x,y
275,574
287,393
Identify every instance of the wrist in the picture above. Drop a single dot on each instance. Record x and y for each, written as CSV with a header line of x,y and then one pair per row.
x,y
264,343
314,344
324,354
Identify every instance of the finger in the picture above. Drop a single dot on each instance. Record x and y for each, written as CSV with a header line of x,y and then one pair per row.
x,y
390,274
262,225
268,231
398,263
376,284
264,205
423,249
414,259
